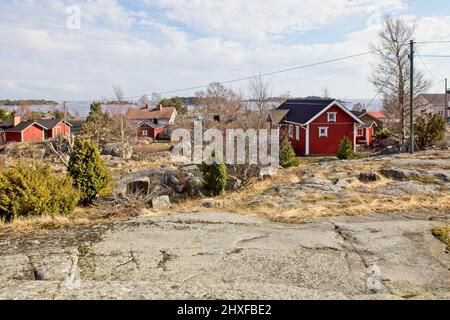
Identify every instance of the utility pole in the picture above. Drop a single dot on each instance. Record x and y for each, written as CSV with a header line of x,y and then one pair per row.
x,y
446,102
411,97
65,110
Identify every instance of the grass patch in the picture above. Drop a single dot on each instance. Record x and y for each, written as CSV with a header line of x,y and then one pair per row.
x,y
443,234
424,179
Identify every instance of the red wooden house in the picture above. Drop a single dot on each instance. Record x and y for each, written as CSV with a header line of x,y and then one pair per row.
x,y
35,130
149,130
316,127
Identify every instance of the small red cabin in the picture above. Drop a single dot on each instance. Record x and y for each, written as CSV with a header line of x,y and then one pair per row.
x,y
149,130
36,130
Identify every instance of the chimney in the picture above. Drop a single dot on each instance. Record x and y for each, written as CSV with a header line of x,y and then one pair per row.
x,y
160,106
17,120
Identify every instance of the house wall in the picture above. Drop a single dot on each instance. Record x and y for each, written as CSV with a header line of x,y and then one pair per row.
x,y
300,144
343,126
33,133
61,129
13,137
152,133
366,138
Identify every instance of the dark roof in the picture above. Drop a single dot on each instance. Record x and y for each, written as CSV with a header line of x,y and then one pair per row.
x,y
303,110
151,124
76,123
44,123
49,123
22,126
358,113
5,125
437,99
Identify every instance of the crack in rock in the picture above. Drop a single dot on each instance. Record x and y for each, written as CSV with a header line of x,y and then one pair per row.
x,y
166,257
266,235
348,238
36,274
132,259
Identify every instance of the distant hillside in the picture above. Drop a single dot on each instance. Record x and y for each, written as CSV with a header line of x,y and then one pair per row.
x,y
28,102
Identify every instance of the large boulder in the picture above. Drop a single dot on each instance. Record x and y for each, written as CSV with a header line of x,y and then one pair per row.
x,y
118,150
162,202
369,176
141,186
195,186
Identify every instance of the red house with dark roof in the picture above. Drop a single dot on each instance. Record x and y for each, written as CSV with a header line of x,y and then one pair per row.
x,y
316,127
35,130
151,122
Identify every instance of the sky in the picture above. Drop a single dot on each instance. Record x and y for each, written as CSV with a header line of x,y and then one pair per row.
x,y
78,50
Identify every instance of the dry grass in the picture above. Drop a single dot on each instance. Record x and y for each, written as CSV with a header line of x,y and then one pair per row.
x,y
102,212
361,198
443,234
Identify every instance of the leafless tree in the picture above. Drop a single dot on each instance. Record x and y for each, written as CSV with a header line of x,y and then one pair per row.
x,y
144,101
391,75
325,93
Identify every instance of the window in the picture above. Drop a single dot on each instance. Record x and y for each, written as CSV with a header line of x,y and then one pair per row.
x,y
145,133
360,132
291,131
323,132
297,133
331,116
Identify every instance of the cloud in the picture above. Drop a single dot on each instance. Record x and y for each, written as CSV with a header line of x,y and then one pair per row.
x,y
186,44
259,19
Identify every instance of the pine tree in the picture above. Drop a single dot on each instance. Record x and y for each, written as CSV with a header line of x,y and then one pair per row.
x,y
346,151
215,175
288,158
87,170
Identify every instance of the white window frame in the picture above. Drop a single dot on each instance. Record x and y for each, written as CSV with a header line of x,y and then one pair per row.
x,y
291,131
324,134
297,133
335,116
145,133
360,134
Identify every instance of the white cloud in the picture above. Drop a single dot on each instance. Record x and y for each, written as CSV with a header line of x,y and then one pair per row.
x,y
41,58
258,19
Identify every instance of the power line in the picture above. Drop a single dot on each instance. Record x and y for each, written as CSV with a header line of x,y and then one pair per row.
x,y
379,90
425,65
432,42
435,56
265,74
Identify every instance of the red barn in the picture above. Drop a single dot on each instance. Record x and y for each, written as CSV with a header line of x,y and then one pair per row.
x,y
315,127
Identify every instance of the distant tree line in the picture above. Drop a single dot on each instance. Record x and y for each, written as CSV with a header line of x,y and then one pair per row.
x,y
9,103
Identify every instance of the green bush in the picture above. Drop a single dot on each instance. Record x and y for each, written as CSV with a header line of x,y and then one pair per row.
x,y
34,191
346,151
215,175
429,130
288,158
87,170
382,134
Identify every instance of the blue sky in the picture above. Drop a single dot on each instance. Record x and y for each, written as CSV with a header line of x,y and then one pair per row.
x,y
151,46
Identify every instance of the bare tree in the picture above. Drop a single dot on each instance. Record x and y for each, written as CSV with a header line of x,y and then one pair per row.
x,y
119,122
391,75
325,93
143,101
